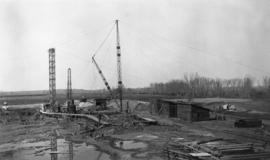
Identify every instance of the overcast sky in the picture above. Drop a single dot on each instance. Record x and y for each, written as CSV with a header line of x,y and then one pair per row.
x,y
161,40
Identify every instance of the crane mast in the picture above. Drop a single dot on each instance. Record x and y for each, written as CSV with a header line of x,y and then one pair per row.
x,y
118,53
69,89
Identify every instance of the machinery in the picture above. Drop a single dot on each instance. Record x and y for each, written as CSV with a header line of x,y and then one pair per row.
x,y
120,84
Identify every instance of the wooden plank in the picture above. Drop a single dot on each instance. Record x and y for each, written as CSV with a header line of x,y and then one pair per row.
x,y
198,148
246,156
176,154
201,154
146,119
234,146
211,140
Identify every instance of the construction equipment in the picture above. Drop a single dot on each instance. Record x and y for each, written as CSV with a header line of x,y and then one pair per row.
x,y
119,71
104,80
102,76
69,89
52,84
118,52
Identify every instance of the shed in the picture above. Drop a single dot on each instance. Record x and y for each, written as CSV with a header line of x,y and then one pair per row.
x,y
101,103
183,110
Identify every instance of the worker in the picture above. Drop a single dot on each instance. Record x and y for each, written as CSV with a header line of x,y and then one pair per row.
x,y
127,110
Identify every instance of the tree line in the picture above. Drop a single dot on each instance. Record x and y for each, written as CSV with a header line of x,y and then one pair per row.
x,y
194,85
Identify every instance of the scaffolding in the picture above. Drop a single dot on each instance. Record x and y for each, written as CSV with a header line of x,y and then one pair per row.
x,y
52,84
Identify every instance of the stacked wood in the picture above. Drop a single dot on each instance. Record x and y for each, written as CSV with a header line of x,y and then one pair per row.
x,y
172,154
232,148
221,150
243,151
247,156
183,150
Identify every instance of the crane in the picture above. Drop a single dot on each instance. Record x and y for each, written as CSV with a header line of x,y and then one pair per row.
x,y
118,53
119,70
104,80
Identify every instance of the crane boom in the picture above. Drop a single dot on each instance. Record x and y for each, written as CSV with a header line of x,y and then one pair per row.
x,y
104,80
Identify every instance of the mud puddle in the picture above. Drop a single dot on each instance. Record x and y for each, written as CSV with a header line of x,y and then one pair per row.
x,y
42,150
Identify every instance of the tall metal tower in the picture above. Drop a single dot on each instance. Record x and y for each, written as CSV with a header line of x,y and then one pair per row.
x,y
52,85
69,89
118,52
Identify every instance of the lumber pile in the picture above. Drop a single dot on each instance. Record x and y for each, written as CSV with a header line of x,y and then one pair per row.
x,y
200,150
246,156
175,154
221,150
185,151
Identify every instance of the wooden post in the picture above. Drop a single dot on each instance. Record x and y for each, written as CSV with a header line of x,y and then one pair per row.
x,y
70,147
127,109
54,146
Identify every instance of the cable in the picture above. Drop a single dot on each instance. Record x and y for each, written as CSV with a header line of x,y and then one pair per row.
x,y
83,33
102,43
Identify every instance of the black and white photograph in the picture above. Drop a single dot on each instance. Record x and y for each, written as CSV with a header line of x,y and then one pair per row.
x,y
134,80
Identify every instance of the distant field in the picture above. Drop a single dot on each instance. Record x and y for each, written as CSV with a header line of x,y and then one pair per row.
x,y
26,99
254,105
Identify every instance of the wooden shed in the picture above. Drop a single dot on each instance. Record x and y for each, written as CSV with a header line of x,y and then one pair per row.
x,y
101,103
183,110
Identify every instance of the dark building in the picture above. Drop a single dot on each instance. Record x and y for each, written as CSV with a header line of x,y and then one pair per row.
x,y
183,110
71,107
101,103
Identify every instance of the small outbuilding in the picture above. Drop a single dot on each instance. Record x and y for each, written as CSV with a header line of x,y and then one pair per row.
x,y
181,109
101,103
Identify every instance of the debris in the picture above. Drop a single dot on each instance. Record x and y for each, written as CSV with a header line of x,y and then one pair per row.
x,y
146,120
246,156
193,150
211,140
146,137
201,154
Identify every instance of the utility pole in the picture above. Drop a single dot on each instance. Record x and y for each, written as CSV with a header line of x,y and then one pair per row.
x,y
118,52
69,89
52,85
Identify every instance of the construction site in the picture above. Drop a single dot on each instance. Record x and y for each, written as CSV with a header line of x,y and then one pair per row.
x,y
112,127
193,118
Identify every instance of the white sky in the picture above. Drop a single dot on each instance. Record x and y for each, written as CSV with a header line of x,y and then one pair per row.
x,y
160,39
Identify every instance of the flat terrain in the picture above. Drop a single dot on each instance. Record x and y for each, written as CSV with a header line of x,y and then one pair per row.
x,y
26,134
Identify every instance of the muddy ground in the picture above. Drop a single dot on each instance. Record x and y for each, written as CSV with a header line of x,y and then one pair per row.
x,y
28,135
